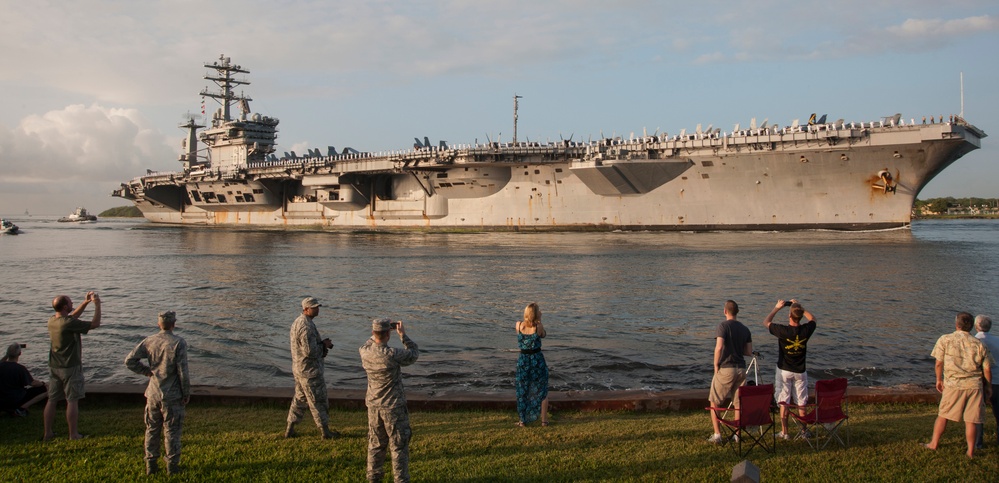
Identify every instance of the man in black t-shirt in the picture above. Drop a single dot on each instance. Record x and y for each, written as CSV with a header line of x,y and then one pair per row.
x,y
18,390
792,343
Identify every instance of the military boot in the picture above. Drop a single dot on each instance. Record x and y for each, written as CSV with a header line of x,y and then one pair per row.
x,y
173,469
151,468
289,432
329,433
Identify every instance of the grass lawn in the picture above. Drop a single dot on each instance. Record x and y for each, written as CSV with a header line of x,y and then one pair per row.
x,y
245,443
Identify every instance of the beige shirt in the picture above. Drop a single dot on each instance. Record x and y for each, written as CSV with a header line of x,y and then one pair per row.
x,y
964,358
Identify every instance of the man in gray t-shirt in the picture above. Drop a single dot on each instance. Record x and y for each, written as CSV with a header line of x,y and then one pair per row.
x,y
733,342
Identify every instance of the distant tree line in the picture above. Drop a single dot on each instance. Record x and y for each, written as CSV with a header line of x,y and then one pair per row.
x,y
121,211
951,205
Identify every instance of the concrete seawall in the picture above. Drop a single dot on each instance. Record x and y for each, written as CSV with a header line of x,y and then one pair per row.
x,y
691,399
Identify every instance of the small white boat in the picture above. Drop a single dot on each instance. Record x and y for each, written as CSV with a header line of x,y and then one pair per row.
x,y
8,228
78,215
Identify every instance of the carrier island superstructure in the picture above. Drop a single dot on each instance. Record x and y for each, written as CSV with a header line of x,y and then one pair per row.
x,y
817,175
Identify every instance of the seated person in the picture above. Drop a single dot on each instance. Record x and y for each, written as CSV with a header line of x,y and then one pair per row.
x,y
18,390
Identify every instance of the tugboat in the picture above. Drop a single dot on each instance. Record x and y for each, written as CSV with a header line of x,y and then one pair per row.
x,y
78,215
8,228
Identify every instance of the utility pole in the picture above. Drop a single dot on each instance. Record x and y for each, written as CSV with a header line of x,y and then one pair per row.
x,y
515,106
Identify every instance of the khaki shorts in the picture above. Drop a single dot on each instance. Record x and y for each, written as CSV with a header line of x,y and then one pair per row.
x,y
962,405
66,383
724,384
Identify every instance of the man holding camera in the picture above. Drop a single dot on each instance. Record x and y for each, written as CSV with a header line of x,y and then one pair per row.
x,y
792,344
388,417
307,353
66,360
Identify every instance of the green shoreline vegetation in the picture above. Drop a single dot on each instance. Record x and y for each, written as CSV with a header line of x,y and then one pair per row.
x,y
121,212
245,443
956,208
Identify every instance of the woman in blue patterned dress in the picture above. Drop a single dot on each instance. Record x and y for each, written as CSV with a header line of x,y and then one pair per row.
x,y
532,371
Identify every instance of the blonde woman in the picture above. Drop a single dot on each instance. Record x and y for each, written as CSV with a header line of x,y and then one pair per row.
x,y
532,371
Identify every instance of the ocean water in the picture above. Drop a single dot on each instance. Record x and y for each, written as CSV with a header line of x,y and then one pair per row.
x,y
623,310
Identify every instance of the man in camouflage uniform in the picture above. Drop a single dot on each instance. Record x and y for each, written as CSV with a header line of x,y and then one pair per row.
x,y
962,363
307,353
388,417
168,391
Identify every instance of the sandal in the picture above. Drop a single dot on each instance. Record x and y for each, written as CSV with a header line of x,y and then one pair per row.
x,y
544,423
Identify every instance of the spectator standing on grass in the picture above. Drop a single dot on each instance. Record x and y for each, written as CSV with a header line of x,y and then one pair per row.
x,y
962,363
18,390
532,370
66,380
733,342
168,391
792,346
388,416
983,324
308,352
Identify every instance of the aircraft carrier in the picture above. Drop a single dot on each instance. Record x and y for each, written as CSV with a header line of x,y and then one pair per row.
x,y
814,175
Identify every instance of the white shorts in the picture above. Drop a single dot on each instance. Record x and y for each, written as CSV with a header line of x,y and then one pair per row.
x,y
792,384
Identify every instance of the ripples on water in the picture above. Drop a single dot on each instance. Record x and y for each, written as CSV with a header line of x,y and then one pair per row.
x,y
623,310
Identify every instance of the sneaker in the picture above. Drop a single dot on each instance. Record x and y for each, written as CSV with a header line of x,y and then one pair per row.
x,y
735,438
716,439
784,436
21,412
807,434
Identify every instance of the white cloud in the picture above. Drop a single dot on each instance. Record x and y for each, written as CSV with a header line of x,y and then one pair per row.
x,y
936,29
80,143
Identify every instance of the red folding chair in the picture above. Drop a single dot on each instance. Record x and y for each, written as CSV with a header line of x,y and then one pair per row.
x,y
754,411
826,416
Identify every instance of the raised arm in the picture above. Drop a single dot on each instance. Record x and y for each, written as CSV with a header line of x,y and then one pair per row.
x,y
96,321
770,317
808,316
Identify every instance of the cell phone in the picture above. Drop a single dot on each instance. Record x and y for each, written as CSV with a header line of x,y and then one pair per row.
x,y
394,325
787,303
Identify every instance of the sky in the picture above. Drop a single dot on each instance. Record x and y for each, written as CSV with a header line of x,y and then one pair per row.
x,y
92,92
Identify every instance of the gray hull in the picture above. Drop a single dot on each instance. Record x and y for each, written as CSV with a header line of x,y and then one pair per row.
x,y
843,176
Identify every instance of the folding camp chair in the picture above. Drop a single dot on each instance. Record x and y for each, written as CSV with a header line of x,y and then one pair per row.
x,y
754,410
826,416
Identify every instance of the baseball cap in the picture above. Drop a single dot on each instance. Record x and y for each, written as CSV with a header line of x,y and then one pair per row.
x,y
309,302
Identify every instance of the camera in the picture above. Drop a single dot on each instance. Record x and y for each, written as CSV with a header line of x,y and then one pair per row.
x,y
394,325
24,346
787,303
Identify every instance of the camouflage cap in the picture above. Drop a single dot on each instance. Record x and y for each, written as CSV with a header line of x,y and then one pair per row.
x,y
309,302
168,317
381,325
